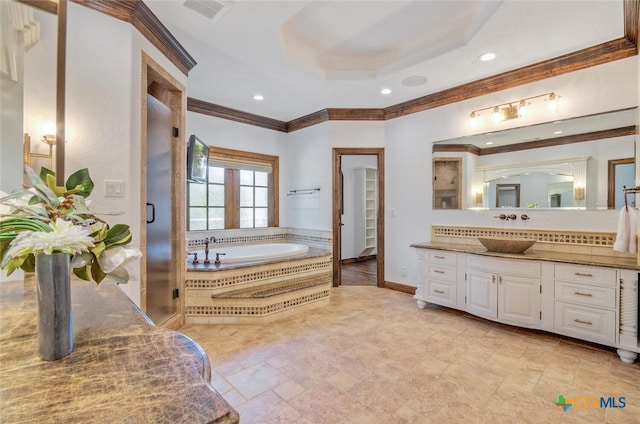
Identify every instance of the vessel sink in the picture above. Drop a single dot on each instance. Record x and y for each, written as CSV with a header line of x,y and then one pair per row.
x,y
506,245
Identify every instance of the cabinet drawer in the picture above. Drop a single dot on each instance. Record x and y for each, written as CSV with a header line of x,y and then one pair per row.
x,y
444,273
585,322
586,274
583,294
441,293
441,257
522,267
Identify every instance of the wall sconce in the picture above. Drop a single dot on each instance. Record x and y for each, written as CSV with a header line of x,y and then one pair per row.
x,y
514,109
478,198
578,193
48,139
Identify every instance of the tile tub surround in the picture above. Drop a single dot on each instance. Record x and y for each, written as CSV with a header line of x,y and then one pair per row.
x,y
122,368
385,361
263,291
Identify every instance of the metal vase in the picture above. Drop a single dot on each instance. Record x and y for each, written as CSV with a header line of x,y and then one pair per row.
x,y
53,289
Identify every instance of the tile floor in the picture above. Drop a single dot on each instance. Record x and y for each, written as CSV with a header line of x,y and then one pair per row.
x,y
372,356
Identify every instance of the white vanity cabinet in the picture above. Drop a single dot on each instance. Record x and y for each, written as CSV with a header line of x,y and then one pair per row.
x,y
441,278
586,302
505,290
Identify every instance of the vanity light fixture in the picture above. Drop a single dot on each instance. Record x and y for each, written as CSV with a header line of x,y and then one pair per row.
x,y
514,109
579,193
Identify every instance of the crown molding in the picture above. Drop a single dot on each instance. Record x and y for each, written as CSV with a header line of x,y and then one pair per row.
x,y
137,13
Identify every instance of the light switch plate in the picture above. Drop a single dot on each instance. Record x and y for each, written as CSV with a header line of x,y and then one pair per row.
x,y
113,188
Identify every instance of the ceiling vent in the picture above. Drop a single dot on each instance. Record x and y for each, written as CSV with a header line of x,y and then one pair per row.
x,y
208,8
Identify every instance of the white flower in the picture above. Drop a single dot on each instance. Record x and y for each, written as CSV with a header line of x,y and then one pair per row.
x,y
65,238
114,262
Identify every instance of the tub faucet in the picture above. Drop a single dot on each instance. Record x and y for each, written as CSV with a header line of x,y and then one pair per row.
x,y
208,240
195,257
217,262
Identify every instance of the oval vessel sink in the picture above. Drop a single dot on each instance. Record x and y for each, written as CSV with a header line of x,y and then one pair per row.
x,y
506,245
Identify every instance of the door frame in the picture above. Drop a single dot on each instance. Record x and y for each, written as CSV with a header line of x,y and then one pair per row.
x,y
170,91
337,191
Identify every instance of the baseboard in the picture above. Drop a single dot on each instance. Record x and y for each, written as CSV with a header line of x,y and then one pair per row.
x,y
400,287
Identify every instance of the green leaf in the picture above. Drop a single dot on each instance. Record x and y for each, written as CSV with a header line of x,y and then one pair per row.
x,y
96,272
29,264
44,172
118,234
80,180
43,191
82,272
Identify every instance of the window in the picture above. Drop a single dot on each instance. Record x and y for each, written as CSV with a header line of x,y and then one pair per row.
x,y
242,192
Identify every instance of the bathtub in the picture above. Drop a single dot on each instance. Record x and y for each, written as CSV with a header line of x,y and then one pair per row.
x,y
254,252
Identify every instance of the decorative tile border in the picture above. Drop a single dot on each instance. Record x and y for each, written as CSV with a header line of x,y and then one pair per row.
x,y
279,271
253,311
313,238
582,238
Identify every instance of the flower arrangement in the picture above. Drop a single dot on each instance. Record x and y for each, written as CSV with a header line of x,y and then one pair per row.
x,y
48,219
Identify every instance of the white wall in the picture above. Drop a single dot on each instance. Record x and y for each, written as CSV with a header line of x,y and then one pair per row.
x,y
103,111
233,135
408,154
310,167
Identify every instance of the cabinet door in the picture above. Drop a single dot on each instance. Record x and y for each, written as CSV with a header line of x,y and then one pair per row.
x,y
482,294
519,300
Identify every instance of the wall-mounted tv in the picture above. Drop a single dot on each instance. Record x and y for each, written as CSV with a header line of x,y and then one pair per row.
x,y
197,160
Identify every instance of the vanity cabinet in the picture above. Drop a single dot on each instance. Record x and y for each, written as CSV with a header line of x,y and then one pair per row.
x,y
599,304
504,289
440,279
585,302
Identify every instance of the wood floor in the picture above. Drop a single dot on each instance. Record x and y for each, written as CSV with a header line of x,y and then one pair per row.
x,y
359,273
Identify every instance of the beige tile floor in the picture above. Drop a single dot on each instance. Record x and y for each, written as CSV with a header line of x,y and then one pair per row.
x,y
372,356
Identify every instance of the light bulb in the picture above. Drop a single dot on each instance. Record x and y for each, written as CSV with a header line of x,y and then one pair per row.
x,y
473,119
497,114
522,108
553,103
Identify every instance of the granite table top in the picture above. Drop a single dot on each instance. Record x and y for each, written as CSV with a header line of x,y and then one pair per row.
x,y
573,258
122,369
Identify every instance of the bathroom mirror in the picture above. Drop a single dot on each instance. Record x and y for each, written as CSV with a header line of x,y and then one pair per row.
x,y
555,165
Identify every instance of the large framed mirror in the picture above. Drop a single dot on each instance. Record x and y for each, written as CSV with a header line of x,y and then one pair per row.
x,y
577,163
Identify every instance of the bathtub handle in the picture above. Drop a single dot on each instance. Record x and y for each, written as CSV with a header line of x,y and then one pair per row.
x,y
195,257
217,262
153,213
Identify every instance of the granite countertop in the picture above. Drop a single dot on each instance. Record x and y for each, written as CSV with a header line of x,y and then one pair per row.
x,y
573,258
122,369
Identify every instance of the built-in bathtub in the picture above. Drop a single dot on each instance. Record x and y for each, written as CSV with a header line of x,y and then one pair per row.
x,y
250,253
263,275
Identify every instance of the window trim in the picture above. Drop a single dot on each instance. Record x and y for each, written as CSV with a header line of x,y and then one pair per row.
x,y
232,179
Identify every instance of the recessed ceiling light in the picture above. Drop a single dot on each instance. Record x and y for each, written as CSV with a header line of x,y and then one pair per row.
x,y
489,143
414,81
557,132
487,56
385,91
258,97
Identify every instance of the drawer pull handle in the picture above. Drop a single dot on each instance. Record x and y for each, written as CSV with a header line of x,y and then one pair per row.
x,y
437,271
583,294
579,321
439,257
583,274
439,291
